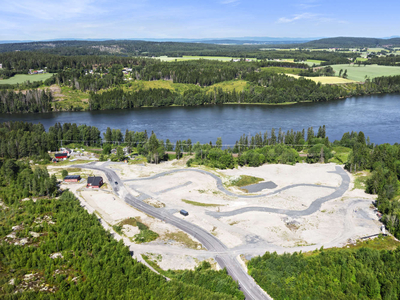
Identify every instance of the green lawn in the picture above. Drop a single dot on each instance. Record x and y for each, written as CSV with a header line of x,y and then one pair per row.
x,y
357,73
376,49
21,78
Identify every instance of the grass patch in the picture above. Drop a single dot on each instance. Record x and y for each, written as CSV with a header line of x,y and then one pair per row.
x,y
361,180
294,71
137,160
146,235
245,180
200,203
70,99
21,78
341,155
378,243
171,156
68,162
183,238
357,73
229,86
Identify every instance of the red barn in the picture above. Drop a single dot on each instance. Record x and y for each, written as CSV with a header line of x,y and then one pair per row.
x,y
94,181
61,155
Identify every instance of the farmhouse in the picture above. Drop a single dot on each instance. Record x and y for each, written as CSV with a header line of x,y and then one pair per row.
x,y
94,182
61,155
72,178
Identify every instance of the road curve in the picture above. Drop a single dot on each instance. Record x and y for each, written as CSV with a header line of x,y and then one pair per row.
x,y
233,267
221,187
315,205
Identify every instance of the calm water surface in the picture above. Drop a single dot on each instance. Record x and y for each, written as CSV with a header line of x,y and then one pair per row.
x,y
377,116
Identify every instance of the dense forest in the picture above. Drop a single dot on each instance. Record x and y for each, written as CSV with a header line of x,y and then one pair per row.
x,y
265,88
53,249
174,49
329,274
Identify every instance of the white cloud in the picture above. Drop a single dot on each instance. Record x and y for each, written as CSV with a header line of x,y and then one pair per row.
x,y
309,16
297,17
233,2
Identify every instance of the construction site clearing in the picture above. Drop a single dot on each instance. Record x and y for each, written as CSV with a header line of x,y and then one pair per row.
x,y
302,208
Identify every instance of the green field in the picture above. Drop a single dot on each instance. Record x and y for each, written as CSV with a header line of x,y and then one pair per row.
x,y
21,78
357,73
376,49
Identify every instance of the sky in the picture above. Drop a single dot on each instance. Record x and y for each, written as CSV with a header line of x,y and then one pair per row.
x,y
131,19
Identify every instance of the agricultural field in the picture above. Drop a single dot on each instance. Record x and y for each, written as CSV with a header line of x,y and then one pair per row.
x,y
283,70
357,73
379,49
326,79
21,78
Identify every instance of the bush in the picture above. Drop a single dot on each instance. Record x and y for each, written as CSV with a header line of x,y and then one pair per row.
x,y
64,173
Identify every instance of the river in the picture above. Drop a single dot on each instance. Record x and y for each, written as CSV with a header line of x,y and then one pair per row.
x,y
377,116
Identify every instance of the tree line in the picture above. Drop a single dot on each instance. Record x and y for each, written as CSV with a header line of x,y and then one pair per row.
x,y
329,274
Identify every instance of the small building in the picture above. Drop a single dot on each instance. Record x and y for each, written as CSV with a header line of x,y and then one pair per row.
x,y
94,182
184,212
61,155
113,151
72,178
66,150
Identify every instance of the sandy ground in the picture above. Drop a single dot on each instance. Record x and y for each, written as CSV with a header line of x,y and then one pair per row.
x,y
338,220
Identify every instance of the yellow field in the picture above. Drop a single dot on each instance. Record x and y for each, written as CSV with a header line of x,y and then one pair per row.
x,y
326,79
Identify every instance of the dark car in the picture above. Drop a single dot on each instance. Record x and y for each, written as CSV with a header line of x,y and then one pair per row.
x,y
116,182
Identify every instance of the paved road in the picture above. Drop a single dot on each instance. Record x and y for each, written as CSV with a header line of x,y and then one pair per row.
x,y
315,205
221,187
232,265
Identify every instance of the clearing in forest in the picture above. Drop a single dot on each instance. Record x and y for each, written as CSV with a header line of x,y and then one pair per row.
x,y
326,79
21,78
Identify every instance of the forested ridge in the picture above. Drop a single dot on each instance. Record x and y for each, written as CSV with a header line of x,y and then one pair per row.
x,y
107,81
266,88
329,274
52,248
174,49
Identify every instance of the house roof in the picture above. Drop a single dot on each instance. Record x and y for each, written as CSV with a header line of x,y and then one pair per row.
x,y
60,155
94,180
72,177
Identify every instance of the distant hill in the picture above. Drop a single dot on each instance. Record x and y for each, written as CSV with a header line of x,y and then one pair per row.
x,y
350,42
